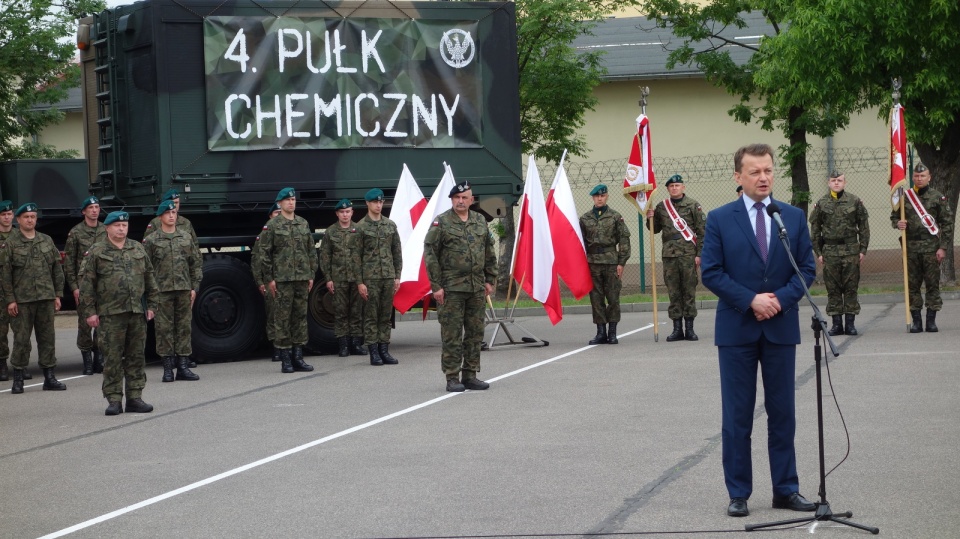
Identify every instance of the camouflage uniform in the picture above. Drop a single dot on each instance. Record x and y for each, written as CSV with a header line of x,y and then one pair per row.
x,y
178,269
381,260
339,260
4,317
256,266
922,265
840,232
113,285
678,254
183,224
79,240
608,246
289,257
33,278
460,258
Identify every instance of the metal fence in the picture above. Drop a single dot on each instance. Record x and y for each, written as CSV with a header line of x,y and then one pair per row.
x,y
709,180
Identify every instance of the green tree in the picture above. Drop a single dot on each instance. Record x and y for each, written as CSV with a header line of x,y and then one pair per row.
x,y
36,67
556,84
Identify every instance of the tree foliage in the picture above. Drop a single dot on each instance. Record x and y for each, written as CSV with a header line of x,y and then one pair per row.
x,y
36,68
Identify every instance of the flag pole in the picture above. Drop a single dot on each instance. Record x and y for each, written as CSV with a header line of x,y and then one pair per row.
x,y
644,92
897,84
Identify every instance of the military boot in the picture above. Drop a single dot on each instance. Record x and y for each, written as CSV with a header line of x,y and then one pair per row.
x,y
837,328
688,332
932,321
385,354
4,372
17,381
27,375
167,368
183,372
917,325
137,406
473,383
50,382
276,354
356,346
297,360
87,356
454,386
849,328
344,347
375,358
612,334
97,361
113,408
677,334
286,357
601,336
191,363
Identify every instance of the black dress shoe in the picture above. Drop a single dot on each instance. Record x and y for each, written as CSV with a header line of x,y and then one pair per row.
x,y
794,502
738,507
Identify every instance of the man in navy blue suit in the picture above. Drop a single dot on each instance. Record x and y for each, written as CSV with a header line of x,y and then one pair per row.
x,y
757,323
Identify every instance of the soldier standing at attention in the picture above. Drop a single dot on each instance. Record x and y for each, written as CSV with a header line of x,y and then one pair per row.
x,y
6,225
32,278
339,258
288,266
840,232
608,249
256,265
461,261
381,260
682,223
117,274
178,268
926,245
79,240
182,222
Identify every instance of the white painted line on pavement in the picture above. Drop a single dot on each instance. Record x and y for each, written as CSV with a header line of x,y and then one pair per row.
x,y
41,383
288,452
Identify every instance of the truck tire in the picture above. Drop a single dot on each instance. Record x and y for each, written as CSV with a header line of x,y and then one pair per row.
x,y
320,317
229,317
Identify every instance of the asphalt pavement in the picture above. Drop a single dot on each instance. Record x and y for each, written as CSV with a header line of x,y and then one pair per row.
x,y
569,441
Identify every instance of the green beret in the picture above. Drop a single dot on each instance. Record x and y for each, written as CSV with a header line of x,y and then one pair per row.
x,y
343,204
920,168
172,194
166,206
116,216
29,206
739,188
676,178
275,207
600,189
88,201
374,194
6,205
459,188
285,193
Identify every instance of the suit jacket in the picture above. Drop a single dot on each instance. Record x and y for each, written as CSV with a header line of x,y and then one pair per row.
x,y
732,268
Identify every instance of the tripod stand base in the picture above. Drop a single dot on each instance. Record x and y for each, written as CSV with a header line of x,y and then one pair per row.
x,y
822,514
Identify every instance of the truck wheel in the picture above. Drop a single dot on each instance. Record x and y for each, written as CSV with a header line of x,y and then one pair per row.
x,y
229,317
320,321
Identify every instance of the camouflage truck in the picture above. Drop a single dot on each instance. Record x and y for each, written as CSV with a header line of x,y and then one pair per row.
x,y
230,101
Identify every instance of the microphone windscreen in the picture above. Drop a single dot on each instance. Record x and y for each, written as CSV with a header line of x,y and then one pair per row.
x,y
772,209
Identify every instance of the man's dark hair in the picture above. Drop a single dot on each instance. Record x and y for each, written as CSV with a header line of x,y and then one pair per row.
x,y
755,150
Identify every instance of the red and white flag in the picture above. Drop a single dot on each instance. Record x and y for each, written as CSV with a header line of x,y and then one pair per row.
x,y
533,262
640,181
414,283
568,248
898,152
408,205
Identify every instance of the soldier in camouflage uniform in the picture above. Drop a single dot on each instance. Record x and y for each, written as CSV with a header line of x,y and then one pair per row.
x,y
182,222
178,268
288,266
608,249
256,266
925,251
117,277
339,260
460,256
32,276
840,232
79,240
6,225
381,260
680,254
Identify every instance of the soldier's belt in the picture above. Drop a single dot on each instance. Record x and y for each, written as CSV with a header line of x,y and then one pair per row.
x,y
672,237
600,250
841,242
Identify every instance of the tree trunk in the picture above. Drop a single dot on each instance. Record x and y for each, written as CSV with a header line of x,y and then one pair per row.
x,y
944,165
797,157
506,254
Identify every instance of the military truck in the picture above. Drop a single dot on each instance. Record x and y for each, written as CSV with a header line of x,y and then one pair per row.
x,y
228,102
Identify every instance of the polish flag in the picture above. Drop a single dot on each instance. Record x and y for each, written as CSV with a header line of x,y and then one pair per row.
x,y
414,284
408,205
533,262
567,238
898,153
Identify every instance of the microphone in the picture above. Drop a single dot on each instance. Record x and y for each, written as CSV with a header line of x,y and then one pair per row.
x,y
774,212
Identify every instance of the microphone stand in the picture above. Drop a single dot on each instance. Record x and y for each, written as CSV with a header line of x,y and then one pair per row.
x,y
822,512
